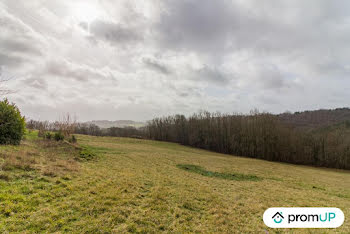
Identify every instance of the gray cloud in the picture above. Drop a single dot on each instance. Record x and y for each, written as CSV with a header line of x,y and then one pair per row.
x,y
10,60
67,70
18,43
161,57
114,33
196,26
37,83
154,65
212,75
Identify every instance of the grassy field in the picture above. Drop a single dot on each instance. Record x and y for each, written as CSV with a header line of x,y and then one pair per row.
x,y
132,185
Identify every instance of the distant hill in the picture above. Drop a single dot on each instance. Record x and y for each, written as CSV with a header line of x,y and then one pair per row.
x,y
317,118
117,123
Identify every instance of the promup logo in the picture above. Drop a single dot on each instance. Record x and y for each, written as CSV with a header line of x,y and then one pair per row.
x,y
278,217
303,217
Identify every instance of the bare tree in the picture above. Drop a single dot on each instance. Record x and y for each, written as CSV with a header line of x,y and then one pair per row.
x,y
257,135
67,124
43,127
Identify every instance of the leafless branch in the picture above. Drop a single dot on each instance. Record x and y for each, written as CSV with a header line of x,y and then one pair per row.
x,y
67,124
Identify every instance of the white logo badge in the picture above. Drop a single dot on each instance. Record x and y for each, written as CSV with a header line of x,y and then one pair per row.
x,y
303,217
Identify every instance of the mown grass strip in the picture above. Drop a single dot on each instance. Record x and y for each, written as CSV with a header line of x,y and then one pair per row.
x,y
227,176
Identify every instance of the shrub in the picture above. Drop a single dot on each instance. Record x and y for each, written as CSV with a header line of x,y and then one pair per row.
x,y
48,136
73,139
59,136
12,123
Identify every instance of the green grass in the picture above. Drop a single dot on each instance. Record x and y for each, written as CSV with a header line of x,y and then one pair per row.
x,y
87,153
134,185
227,176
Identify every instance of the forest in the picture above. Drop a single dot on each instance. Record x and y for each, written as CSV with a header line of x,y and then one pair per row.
x,y
257,135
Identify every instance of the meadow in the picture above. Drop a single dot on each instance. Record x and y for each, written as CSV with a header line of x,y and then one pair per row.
x,y
114,185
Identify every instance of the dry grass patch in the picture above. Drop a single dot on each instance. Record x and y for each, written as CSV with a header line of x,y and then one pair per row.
x,y
22,159
47,157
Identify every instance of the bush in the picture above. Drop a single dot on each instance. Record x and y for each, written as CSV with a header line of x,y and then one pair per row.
x,y
12,123
59,136
48,136
73,139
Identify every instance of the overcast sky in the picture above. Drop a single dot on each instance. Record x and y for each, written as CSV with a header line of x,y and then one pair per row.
x,y
137,59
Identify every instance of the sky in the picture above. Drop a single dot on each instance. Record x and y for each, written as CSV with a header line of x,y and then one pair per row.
x,y
133,59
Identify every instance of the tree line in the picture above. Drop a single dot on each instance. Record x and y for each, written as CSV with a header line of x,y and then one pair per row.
x,y
257,135
85,129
